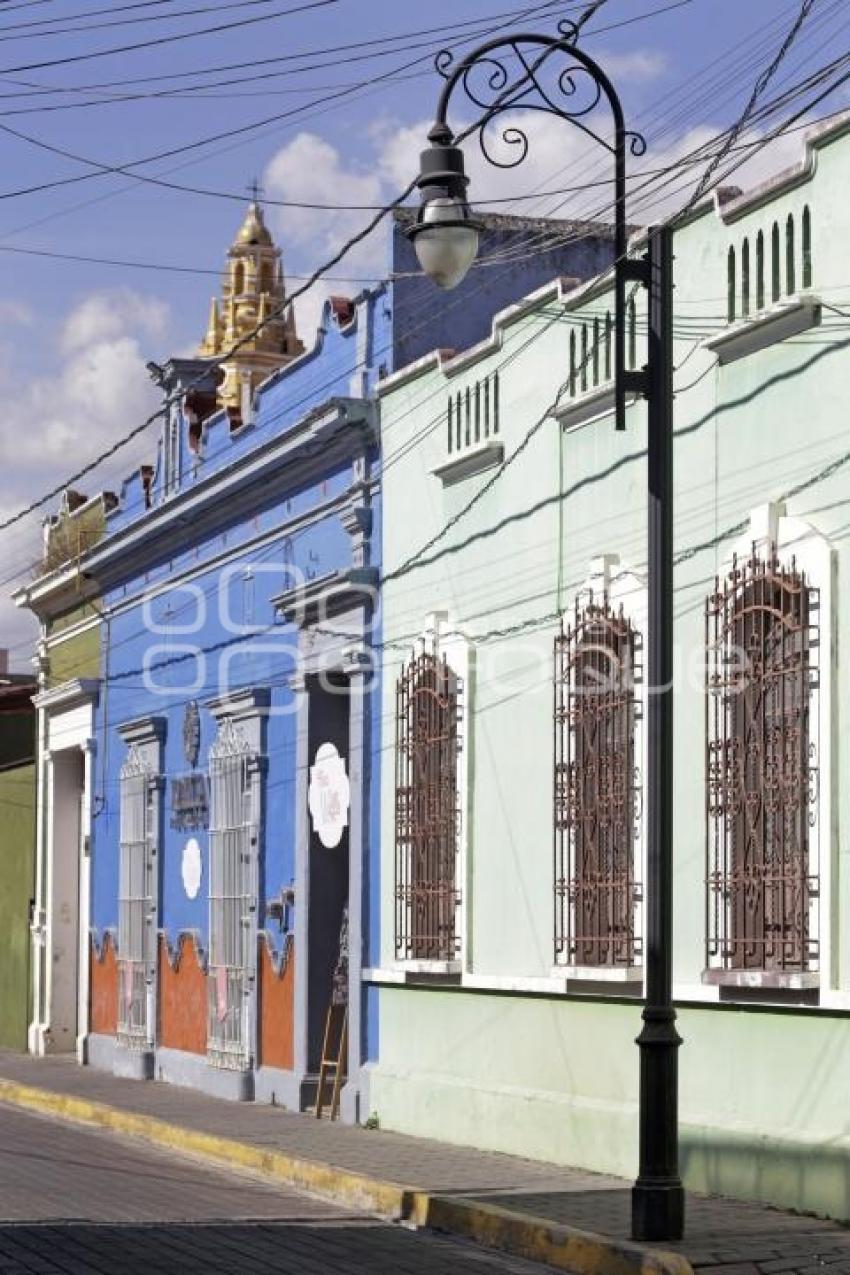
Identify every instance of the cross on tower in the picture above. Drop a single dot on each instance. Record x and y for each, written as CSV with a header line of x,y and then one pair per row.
x,y
255,190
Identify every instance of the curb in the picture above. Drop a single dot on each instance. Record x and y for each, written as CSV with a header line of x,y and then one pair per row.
x,y
540,1240
536,1239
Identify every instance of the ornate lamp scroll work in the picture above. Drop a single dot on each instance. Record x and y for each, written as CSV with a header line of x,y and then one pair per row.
x,y
761,766
547,74
597,785
427,809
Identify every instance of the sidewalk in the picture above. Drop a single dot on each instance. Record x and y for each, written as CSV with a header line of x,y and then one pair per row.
x,y
577,1221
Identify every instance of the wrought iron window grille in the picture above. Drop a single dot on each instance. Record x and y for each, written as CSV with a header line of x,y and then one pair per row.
x,y
597,789
136,928
427,808
232,898
762,888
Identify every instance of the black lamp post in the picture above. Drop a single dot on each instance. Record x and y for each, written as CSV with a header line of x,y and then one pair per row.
x,y
555,76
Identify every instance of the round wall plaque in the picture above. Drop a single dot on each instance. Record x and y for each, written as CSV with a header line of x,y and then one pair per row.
x,y
192,868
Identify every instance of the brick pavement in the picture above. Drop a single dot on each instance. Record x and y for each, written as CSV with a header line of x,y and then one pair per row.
x,y
79,1201
724,1237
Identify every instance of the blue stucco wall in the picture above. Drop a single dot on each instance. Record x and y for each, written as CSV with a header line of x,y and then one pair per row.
x,y
515,256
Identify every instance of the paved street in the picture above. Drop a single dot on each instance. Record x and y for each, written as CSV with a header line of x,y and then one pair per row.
x,y
73,1200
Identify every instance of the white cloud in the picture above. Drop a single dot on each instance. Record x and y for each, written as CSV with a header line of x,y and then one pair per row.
x,y
108,314
98,389
310,170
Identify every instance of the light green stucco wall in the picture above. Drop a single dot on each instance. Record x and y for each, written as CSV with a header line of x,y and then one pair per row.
x,y
17,886
763,1100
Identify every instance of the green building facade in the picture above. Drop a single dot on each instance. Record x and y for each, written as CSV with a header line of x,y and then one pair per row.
x,y
509,972
17,854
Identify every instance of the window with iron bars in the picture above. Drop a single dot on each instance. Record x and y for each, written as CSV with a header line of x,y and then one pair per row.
x,y
597,788
232,899
136,932
761,767
428,714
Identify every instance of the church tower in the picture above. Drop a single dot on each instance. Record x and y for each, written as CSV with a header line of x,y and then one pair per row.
x,y
252,289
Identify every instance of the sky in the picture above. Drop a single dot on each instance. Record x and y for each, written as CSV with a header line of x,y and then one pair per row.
x,y
313,121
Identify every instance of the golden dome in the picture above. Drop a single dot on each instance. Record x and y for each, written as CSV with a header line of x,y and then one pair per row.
x,y
253,229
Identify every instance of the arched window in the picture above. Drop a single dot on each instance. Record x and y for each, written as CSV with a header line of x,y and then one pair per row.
x,y
595,352
760,270
266,277
572,362
745,279
761,623
790,262
807,247
239,278
596,888
450,420
775,266
584,356
608,334
731,286
426,807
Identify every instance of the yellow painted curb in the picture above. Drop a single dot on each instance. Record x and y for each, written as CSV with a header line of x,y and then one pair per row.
x,y
353,1189
539,1240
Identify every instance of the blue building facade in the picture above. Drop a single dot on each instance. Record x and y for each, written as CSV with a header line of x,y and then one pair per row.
x,y
234,890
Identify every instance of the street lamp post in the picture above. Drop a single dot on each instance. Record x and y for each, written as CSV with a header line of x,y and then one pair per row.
x,y
554,76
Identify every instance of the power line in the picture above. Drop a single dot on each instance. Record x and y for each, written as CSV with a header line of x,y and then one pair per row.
x,y
167,39
119,22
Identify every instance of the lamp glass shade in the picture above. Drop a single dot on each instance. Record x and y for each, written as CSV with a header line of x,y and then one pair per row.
x,y
445,246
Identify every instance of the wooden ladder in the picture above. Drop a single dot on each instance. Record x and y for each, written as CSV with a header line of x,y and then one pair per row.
x,y
333,1064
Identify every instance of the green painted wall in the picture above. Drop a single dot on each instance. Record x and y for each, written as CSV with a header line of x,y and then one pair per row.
x,y
17,886
509,1059
77,657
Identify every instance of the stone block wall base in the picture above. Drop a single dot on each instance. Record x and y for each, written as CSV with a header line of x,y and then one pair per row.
x,y
192,1071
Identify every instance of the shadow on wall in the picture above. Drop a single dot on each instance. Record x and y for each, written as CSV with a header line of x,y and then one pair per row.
x,y
811,1177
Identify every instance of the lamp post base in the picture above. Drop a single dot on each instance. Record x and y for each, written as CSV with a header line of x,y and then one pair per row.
x,y
658,1210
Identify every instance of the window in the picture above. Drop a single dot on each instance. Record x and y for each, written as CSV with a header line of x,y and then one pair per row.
x,y
775,265
760,270
790,263
135,901
608,330
731,286
238,279
745,279
632,334
807,247
232,894
428,709
761,626
596,711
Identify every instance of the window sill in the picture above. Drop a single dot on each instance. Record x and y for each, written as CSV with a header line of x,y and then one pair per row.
x,y
616,980
415,972
475,460
783,320
777,986
794,980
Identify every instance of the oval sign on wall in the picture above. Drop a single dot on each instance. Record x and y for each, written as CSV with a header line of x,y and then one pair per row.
x,y
192,868
329,795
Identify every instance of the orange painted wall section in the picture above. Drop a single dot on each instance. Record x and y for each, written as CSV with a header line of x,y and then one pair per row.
x,y
182,999
103,989
276,1011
